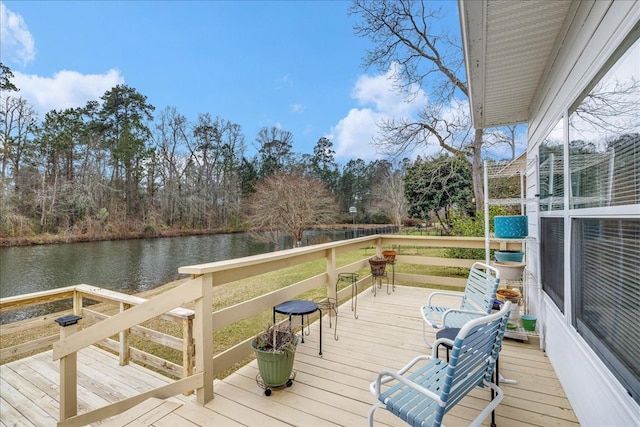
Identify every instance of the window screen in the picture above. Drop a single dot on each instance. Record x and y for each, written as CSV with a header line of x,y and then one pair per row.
x,y
552,259
606,289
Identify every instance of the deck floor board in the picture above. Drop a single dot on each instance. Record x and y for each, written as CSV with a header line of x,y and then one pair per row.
x,y
332,389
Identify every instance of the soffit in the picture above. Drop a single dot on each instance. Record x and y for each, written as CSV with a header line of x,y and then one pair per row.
x,y
509,45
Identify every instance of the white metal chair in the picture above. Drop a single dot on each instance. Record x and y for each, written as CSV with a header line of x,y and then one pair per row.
x,y
422,395
476,300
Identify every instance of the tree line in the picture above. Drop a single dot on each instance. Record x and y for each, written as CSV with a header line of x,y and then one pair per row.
x,y
116,166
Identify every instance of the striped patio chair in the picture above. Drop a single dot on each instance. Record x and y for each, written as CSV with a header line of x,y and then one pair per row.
x,y
427,388
476,300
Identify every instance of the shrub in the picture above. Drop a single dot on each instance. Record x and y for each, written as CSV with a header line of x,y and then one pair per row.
x,y
410,222
469,226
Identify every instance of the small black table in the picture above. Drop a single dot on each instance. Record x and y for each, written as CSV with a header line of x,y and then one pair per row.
x,y
299,308
449,333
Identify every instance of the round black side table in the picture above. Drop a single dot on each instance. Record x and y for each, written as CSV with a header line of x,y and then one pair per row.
x,y
299,308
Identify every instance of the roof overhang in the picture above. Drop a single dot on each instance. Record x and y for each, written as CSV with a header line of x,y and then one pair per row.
x,y
508,46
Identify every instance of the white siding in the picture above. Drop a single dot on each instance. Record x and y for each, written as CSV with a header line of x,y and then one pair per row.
x,y
593,31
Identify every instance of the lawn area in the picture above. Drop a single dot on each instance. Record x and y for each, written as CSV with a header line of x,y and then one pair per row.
x,y
233,293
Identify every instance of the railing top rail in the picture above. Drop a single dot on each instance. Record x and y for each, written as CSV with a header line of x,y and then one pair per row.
x,y
213,267
115,296
342,245
136,315
18,301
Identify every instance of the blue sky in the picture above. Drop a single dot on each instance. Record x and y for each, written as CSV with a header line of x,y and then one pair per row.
x,y
292,64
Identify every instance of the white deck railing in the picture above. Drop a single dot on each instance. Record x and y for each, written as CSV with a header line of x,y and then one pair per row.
x,y
200,365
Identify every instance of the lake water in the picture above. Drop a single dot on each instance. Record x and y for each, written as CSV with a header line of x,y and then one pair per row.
x,y
128,266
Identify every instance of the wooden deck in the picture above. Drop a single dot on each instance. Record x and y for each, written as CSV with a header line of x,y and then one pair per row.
x,y
328,390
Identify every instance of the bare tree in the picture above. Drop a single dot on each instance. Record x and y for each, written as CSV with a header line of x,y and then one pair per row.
x,y
506,135
171,138
18,122
274,150
403,34
389,196
289,204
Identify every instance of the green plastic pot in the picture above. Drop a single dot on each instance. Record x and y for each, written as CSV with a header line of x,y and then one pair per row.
x,y
529,322
275,367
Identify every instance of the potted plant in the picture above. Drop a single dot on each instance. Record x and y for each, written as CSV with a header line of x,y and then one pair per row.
x,y
275,349
390,254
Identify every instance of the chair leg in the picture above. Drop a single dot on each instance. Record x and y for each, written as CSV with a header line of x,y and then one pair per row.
x,y
490,407
354,294
424,334
372,410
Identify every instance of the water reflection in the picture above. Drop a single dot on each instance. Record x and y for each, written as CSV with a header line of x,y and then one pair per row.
x,y
128,266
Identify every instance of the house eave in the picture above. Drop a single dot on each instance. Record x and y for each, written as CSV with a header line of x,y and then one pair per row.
x,y
508,47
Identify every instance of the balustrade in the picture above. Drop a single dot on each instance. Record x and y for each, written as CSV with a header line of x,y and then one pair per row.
x,y
199,364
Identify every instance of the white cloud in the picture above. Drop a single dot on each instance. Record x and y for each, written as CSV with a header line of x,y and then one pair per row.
x,y
297,108
16,40
380,100
353,135
66,89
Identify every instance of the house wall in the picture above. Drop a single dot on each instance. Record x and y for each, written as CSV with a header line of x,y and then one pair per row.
x,y
593,31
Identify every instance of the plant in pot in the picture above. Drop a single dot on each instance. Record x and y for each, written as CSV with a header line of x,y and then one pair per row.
x,y
275,349
389,255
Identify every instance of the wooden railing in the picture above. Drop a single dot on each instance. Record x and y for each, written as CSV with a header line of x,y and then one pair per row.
x,y
199,363
77,294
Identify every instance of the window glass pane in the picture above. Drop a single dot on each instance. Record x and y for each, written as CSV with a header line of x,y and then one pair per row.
x,y
551,170
604,135
552,259
606,289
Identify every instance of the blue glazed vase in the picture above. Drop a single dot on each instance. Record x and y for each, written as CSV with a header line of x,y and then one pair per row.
x,y
511,227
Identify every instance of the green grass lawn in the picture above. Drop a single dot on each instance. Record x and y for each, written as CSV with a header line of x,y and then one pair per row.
x,y
233,293
236,292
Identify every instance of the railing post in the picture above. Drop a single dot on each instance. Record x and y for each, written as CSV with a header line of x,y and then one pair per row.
x,y
188,350
124,352
68,370
77,303
332,277
203,335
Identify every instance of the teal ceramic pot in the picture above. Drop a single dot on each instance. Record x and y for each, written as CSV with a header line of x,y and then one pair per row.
x,y
509,256
511,227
